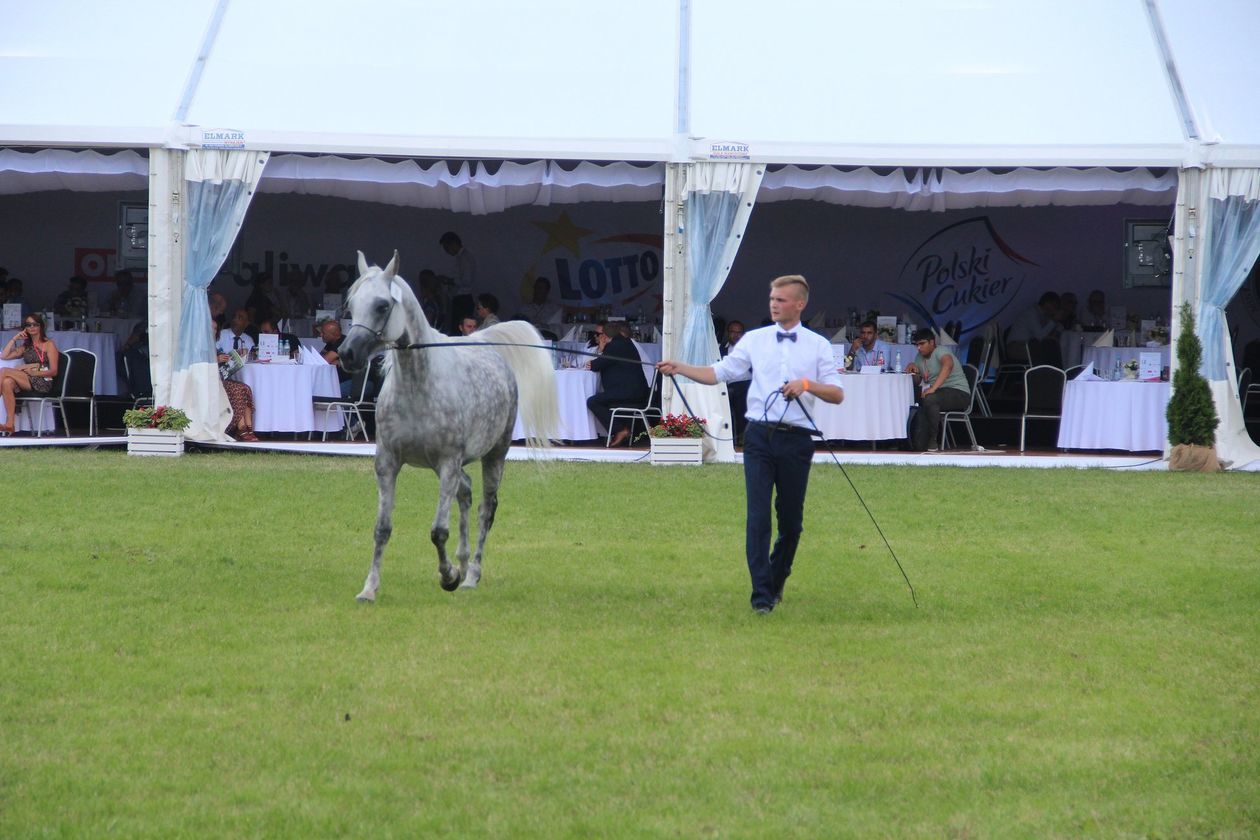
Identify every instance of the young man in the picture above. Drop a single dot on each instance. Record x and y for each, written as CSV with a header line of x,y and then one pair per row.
x,y
945,388
866,349
790,368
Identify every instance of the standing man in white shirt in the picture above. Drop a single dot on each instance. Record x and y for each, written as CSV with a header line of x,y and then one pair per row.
x,y
790,366
465,284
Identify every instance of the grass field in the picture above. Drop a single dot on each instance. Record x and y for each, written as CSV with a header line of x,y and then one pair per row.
x,y
181,655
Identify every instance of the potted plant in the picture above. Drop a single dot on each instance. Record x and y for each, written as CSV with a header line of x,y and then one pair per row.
x,y
677,439
1192,419
155,430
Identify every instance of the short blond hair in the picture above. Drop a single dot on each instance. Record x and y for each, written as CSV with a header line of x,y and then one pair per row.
x,y
792,280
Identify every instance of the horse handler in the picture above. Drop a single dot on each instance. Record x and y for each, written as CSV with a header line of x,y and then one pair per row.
x,y
790,366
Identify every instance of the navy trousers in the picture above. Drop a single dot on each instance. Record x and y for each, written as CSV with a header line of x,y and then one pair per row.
x,y
776,463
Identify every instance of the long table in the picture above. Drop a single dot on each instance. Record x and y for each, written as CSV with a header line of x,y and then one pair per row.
x,y
573,386
283,396
1125,415
875,407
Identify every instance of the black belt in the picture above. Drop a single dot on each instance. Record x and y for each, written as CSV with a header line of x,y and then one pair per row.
x,y
786,428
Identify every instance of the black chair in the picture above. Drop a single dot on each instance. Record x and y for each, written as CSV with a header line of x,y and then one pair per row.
x,y
1043,397
964,416
354,406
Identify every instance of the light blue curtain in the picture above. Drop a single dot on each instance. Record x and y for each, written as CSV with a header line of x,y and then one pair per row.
x,y
710,218
215,209
1234,225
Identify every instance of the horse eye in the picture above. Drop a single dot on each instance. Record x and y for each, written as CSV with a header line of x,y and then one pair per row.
x,y
382,308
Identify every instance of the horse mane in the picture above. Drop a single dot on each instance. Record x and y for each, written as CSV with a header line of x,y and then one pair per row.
x,y
535,376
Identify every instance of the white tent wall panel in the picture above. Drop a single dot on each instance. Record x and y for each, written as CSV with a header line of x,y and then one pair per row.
x,y
1008,76
554,69
79,73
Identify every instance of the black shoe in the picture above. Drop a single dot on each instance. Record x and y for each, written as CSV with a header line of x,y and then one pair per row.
x,y
763,610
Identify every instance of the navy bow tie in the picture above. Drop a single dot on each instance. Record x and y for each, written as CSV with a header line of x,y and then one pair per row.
x,y
785,337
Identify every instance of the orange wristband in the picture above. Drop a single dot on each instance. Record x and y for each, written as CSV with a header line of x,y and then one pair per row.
x,y
805,384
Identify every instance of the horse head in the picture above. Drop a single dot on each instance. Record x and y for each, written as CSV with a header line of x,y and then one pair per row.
x,y
377,306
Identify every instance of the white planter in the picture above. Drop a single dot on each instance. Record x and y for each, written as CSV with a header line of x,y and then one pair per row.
x,y
677,450
154,442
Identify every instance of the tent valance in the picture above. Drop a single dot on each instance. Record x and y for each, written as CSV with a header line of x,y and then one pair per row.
x,y
479,187
947,189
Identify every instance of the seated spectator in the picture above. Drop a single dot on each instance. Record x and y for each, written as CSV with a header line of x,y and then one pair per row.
x,y
330,332
944,388
240,398
468,326
133,361
1067,311
867,349
1095,316
294,300
73,302
1034,337
487,310
269,328
123,302
16,294
540,311
429,293
624,385
737,389
236,338
40,363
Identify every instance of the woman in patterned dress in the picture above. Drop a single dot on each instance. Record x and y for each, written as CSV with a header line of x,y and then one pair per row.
x,y
40,362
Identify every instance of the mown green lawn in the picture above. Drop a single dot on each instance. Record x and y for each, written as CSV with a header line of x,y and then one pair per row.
x,y
181,655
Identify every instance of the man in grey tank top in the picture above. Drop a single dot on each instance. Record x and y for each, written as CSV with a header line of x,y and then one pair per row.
x,y
945,388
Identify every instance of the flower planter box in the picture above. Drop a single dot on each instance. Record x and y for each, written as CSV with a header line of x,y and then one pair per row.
x,y
154,442
677,450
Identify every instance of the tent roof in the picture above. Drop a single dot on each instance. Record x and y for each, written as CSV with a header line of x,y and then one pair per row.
x,y
922,82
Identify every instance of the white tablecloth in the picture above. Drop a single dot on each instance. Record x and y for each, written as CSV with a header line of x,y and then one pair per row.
x,y
120,327
25,421
1104,358
103,344
283,396
874,408
1114,415
576,421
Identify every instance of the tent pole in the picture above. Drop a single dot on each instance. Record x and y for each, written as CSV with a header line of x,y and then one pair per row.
x,y
674,274
166,265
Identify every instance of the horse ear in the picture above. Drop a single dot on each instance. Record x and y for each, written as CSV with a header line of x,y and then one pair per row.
x,y
392,269
363,266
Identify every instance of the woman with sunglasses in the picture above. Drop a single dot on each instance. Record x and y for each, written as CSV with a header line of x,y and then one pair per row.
x,y
40,360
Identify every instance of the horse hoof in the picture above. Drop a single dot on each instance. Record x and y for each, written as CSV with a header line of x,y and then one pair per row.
x,y
471,583
366,597
452,584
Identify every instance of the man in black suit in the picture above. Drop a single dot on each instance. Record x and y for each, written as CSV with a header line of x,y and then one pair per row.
x,y
624,385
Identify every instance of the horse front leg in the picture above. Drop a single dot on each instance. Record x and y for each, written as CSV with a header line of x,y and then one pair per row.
x,y
491,475
449,480
386,479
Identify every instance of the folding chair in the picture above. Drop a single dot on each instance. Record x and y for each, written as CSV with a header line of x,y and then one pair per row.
x,y
354,406
61,391
636,415
964,416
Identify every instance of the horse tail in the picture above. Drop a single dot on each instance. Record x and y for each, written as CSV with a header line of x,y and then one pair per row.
x,y
535,377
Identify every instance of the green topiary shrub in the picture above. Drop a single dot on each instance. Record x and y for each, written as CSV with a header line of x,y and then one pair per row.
x,y
1191,414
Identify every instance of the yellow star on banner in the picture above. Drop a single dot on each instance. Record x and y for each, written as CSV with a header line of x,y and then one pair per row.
x,y
563,234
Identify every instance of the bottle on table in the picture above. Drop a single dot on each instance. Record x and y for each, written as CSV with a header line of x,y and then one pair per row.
x,y
898,362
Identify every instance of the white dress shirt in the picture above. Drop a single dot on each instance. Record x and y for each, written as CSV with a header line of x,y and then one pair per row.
x,y
227,342
773,362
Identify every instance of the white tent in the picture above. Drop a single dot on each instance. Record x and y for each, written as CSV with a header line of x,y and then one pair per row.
x,y
1075,93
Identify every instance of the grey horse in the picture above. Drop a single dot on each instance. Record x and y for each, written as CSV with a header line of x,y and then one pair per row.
x,y
443,408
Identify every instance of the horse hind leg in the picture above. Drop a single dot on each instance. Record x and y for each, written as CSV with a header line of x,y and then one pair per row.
x,y
464,497
450,478
386,479
491,475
